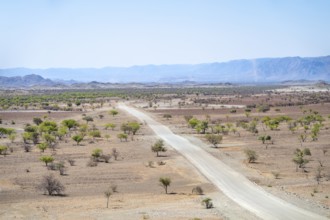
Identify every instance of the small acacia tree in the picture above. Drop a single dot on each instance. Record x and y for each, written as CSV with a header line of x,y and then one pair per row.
x,y
167,116
114,112
251,155
77,138
88,119
37,121
122,136
208,203
42,146
134,127
97,153
51,185
46,159
3,150
165,182
70,123
264,138
299,159
110,125
214,139
12,137
158,147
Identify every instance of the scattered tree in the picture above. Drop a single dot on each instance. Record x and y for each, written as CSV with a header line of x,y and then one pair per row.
x,y
193,122
114,112
167,116
110,125
165,183
77,138
158,147
299,159
70,123
42,146
97,153
12,137
251,155
264,138
208,203
3,150
88,119
95,134
37,121
46,159
122,136
214,139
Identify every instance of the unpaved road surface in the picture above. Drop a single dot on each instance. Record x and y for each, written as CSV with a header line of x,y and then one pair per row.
x,y
233,184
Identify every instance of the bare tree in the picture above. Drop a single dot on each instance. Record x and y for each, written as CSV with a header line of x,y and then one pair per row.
x,y
318,174
107,194
51,185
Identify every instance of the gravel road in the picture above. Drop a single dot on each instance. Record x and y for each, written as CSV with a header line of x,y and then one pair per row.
x,y
237,187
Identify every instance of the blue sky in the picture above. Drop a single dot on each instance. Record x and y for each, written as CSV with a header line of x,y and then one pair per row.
x,y
98,33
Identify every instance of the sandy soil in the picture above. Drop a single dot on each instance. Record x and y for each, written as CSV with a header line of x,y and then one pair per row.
x,y
139,194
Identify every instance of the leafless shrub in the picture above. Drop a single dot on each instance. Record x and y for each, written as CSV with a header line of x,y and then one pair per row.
x,y
91,163
52,166
324,150
27,147
71,162
318,174
105,157
197,190
61,167
150,164
115,153
51,185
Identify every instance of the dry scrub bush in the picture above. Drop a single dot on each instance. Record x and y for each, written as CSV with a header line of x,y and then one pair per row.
x,y
51,185
91,163
71,162
197,190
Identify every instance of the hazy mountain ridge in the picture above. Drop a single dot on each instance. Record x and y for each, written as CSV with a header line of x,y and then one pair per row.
x,y
237,71
25,81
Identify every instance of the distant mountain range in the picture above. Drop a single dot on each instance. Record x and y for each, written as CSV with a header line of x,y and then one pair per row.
x,y
25,81
263,70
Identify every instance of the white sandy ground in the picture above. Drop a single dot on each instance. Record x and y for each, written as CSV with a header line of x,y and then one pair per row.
x,y
237,187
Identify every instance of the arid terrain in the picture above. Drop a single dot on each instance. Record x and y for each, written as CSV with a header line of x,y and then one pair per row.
x,y
137,170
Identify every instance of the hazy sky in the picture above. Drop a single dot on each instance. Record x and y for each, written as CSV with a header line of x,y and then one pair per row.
x,y
98,33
